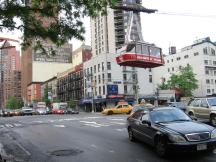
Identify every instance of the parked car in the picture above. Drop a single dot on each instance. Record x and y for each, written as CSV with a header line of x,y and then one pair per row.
x,y
41,111
170,129
27,111
119,109
180,105
203,108
72,111
59,111
6,113
16,112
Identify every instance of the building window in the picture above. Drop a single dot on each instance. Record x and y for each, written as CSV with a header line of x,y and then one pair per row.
x,y
124,77
214,63
172,60
212,90
207,72
206,62
94,68
180,67
103,77
207,81
98,67
196,53
102,66
108,65
205,51
208,91
103,90
168,69
91,70
95,80
173,69
125,89
134,76
99,79
150,70
99,90
167,61
109,77
178,58
150,78
186,56
212,51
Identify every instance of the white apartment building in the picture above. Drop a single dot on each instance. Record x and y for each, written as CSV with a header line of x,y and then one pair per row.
x,y
107,36
201,56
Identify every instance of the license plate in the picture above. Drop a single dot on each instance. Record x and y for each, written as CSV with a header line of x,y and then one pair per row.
x,y
201,147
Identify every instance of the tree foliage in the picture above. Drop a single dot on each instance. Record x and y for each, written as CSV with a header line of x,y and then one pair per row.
x,y
184,81
46,96
14,103
64,18
72,103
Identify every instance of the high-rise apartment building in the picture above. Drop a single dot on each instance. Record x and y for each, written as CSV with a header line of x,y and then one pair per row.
x,y
108,34
10,77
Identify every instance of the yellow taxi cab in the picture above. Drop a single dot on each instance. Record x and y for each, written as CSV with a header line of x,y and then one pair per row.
x,y
121,108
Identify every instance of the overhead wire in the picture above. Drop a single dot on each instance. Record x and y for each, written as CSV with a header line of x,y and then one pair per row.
x,y
186,14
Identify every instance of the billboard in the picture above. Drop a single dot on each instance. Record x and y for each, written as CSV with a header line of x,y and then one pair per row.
x,y
63,54
112,89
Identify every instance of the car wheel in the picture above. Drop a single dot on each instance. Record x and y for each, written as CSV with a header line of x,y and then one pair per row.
x,y
213,120
131,135
129,112
110,113
160,147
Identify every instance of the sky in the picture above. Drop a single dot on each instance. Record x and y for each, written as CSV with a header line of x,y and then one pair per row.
x,y
167,30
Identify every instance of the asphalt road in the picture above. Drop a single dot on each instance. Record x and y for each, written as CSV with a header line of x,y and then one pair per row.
x,y
79,138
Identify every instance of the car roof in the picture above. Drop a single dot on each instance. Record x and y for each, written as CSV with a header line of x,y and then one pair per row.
x,y
158,108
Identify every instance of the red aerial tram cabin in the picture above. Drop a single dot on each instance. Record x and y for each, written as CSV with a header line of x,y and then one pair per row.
x,y
140,54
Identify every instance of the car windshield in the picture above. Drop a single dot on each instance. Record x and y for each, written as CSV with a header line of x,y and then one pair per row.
x,y
180,104
212,101
168,115
138,107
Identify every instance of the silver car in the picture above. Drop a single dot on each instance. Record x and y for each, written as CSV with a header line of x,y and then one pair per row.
x,y
203,108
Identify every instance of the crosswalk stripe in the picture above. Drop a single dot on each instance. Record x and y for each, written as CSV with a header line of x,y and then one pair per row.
x,y
9,125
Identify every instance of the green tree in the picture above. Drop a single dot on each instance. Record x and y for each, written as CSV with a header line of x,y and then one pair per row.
x,y
185,81
72,103
46,96
65,18
14,103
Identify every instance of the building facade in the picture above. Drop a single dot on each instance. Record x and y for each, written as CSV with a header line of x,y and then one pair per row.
x,y
51,85
34,92
108,35
10,75
39,67
201,56
70,84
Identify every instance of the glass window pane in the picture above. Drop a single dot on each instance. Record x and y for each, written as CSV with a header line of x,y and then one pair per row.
x,y
145,50
138,49
155,51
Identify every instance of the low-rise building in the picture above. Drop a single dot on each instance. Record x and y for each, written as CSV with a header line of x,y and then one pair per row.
x,y
51,86
70,84
201,56
34,92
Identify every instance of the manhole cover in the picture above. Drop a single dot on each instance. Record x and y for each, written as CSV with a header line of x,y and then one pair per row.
x,y
69,152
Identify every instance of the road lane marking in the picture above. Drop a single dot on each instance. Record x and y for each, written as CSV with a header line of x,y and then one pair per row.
x,y
118,119
94,123
94,146
121,130
111,151
26,151
119,123
59,126
17,125
9,125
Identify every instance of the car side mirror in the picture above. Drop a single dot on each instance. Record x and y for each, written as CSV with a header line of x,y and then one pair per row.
x,y
146,122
